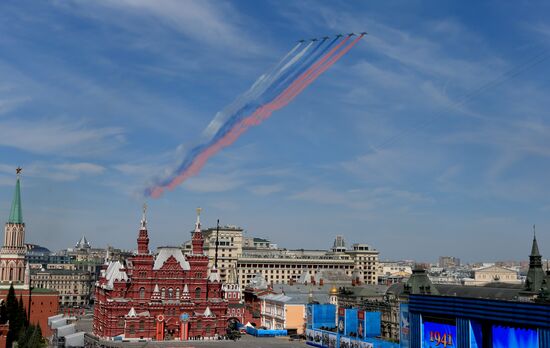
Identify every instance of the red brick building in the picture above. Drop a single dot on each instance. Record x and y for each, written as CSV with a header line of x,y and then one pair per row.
x,y
161,297
257,287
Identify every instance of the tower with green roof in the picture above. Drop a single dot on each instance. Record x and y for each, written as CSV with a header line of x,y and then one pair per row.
x,y
535,274
12,254
16,214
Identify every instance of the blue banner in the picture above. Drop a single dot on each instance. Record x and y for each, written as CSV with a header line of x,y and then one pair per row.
x,y
373,326
404,325
509,337
351,322
341,321
437,335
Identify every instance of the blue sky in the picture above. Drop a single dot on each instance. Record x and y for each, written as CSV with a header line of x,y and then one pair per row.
x,y
96,97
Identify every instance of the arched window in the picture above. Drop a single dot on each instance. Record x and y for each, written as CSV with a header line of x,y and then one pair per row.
x,y
142,293
197,292
177,293
163,293
170,293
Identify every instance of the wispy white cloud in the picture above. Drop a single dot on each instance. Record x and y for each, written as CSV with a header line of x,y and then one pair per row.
x,y
265,190
61,137
215,23
66,171
213,183
512,142
364,200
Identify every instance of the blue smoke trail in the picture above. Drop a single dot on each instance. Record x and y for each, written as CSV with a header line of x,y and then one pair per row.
x,y
268,87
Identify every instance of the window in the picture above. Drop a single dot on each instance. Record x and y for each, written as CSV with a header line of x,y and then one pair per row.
x,y
132,329
141,325
142,293
163,293
197,292
177,293
170,293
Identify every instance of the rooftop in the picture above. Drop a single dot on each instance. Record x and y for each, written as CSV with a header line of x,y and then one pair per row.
x,y
495,291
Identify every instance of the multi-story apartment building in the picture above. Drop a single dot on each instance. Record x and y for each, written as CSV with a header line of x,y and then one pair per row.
x,y
281,266
73,285
251,256
230,246
448,262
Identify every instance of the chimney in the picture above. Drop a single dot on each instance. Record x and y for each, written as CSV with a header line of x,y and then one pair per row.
x,y
321,282
312,280
352,281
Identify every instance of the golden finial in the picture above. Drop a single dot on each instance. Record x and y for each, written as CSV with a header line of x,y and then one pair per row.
x,y
18,170
199,211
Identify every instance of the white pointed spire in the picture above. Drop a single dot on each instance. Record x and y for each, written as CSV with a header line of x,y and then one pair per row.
x,y
156,294
198,223
132,313
108,255
208,313
144,218
214,276
185,293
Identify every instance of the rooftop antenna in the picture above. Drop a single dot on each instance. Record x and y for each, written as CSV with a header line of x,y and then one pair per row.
x,y
217,235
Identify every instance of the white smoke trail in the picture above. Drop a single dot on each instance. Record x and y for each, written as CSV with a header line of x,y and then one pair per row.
x,y
259,87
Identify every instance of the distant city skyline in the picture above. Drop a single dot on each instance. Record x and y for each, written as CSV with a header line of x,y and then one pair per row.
x,y
430,138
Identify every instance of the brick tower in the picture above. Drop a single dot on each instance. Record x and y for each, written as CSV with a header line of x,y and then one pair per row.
x,y
12,254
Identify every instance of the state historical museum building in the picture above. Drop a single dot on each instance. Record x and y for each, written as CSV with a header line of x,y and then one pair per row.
x,y
161,297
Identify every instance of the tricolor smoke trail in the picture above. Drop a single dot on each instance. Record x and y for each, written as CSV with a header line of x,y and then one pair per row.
x,y
272,91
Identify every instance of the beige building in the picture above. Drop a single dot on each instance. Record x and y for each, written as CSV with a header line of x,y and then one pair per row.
x,y
493,274
73,286
252,256
230,246
394,269
281,312
281,266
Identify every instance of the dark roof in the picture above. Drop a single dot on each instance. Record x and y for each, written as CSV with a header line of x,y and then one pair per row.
x,y
37,249
396,289
495,291
365,290
535,248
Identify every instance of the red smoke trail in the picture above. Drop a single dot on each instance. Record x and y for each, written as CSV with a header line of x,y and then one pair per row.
x,y
312,68
259,115
298,86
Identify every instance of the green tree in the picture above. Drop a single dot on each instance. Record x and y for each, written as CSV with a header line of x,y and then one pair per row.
x,y
3,313
24,336
23,320
21,331
11,303
35,340
12,314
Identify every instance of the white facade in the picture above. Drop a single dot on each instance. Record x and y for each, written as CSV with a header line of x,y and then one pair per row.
x,y
493,274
